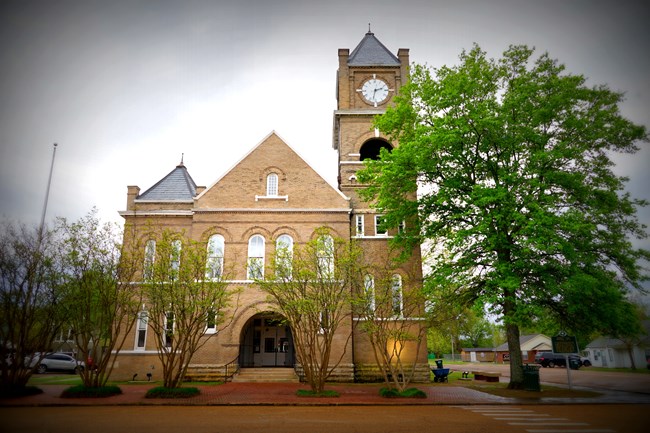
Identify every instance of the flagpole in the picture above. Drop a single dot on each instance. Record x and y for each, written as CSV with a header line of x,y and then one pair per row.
x,y
47,191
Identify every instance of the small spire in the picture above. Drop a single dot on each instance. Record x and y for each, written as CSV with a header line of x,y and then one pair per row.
x,y
369,31
182,157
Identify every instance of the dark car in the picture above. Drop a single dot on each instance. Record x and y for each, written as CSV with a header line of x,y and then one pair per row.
x,y
57,362
550,359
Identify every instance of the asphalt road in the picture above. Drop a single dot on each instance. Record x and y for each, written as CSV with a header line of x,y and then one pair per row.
x,y
340,419
584,377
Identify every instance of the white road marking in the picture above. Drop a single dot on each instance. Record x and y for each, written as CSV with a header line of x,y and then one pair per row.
x,y
527,417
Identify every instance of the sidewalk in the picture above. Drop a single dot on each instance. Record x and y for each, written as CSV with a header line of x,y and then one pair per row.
x,y
274,394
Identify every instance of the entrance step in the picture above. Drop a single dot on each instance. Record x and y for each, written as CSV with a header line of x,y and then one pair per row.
x,y
261,375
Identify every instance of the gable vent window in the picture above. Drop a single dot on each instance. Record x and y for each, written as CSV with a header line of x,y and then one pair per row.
x,y
272,185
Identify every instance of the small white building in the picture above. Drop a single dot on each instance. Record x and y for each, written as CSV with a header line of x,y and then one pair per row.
x,y
613,353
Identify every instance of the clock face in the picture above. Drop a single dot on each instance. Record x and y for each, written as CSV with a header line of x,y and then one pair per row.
x,y
374,91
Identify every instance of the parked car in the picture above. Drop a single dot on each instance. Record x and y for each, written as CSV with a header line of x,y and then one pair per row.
x,y
57,362
585,362
550,359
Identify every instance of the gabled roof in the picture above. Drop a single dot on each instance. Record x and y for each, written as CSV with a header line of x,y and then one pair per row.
x,y
278,160
525,342
178,185
371,52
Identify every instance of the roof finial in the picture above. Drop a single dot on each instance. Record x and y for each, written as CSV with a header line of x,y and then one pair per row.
x,y
182,157
369,32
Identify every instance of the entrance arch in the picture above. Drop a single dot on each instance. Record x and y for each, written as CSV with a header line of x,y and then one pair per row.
x,y
266,341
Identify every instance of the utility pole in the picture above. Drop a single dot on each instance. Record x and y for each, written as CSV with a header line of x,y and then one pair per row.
x,y
47,194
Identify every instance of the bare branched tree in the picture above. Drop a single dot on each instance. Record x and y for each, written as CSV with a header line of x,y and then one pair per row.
x,y
29,319
311,286
391,313
184,297
98,302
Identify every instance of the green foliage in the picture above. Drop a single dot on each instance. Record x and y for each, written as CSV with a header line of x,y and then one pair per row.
x,y
82,391
407,393
176,392
311,393
518,206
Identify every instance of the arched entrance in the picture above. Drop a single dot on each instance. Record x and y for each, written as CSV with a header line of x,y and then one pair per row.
x,y
266,341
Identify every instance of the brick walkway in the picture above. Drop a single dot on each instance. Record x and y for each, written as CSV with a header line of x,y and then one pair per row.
x,y
284,394
263,394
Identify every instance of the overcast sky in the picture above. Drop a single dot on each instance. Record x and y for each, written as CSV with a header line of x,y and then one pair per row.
x,y
126,87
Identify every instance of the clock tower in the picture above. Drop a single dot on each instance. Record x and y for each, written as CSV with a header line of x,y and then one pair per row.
x,y
366,82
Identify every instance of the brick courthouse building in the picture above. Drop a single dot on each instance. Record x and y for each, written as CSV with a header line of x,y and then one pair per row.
x,y
273,195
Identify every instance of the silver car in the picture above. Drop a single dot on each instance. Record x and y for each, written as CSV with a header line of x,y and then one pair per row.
x,y
57,362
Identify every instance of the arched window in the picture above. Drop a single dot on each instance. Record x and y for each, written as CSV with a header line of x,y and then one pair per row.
x,y
283,256
369,288
214,267
149,258
371,149
325,256
272,185
256,258
397,296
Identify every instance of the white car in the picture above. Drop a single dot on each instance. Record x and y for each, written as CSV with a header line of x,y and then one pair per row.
x,y
57,362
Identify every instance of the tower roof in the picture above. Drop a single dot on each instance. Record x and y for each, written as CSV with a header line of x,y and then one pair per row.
x,y
177,185
371,52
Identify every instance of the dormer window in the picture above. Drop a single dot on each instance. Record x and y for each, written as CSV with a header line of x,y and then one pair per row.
x,y
272,185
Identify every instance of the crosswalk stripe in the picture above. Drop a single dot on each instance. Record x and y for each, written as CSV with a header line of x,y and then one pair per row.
x,y
595,430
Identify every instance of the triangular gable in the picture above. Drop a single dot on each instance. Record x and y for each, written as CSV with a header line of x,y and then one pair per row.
x,y
178,185
244,185
371,52
528,342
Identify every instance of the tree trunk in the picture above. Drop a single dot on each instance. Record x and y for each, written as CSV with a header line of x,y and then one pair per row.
x,y
516,364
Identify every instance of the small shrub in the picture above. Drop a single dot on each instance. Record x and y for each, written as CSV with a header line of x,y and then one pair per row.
x,y
407,393
19,391
81,391
162,392
389,392
310,393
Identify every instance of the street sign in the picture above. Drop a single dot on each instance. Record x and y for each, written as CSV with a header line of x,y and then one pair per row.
x,y
564,344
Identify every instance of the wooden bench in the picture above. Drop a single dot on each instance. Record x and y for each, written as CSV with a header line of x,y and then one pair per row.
x,y
488,376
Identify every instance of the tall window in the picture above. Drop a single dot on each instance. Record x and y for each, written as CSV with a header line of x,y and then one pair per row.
x,y
141,334
214,267
169,329
369,288
149,258
175,258
256,258
360,228
284,256
211,322
397,296
325,257
272,184
379,229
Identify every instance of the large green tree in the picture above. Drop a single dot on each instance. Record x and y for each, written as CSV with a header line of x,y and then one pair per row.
x,y
511,159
